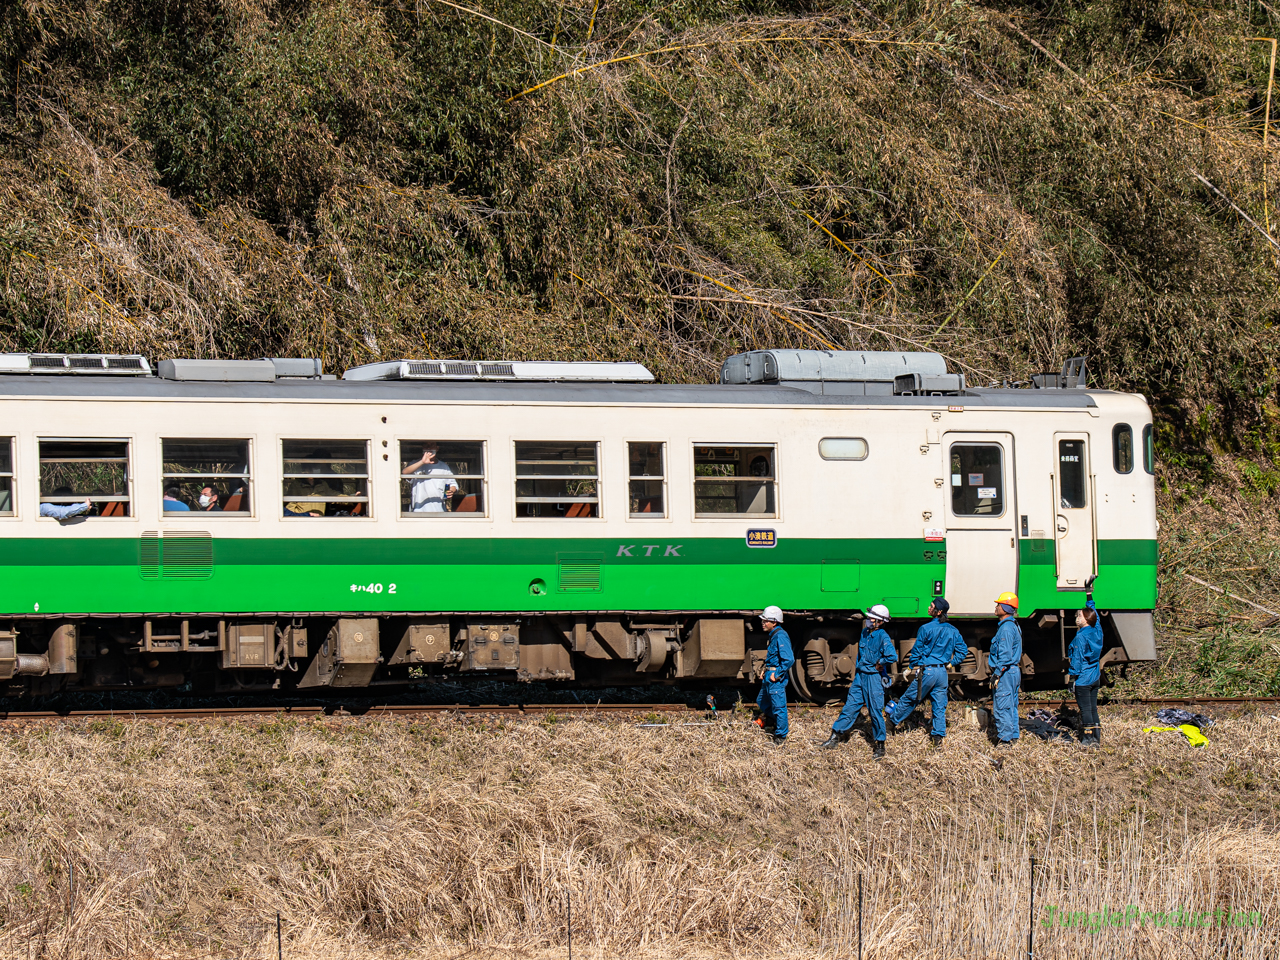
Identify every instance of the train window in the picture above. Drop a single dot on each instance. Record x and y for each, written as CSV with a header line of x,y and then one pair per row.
x,y
1071,474
1148,450
557,479
734,481
6,476
1122,447
842,448
977,480
205,475
326,478
441,476
73,471
647,479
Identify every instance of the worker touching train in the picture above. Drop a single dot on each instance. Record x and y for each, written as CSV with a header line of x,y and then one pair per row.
x,y
778,660
1086,655
875,650
937,644
1004,662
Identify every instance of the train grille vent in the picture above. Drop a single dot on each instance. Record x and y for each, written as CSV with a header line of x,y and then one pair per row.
x,y
176,555
580,576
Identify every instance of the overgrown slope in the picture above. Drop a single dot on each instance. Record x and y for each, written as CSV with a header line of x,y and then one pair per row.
x,y
670,182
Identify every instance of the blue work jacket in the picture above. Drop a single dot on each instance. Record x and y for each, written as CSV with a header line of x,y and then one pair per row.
x,y
1006,646
938,642
875,648
778,659
1085,652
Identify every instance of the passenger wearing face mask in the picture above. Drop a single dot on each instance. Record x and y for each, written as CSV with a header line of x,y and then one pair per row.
x,y
208,500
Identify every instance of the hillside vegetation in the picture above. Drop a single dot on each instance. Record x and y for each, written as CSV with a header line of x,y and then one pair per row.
x,y
1010,184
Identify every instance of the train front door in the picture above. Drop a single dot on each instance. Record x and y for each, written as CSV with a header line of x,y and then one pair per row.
x,y
982,555
1073,528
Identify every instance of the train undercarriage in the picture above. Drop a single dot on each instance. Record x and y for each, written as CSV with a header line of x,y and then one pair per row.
x,y
229,654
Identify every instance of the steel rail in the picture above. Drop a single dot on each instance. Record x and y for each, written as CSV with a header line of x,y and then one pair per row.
x,y
340,711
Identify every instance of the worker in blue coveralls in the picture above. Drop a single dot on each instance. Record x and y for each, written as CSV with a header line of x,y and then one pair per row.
x,y
1006,673
778,660
937,644
1086,653
875,650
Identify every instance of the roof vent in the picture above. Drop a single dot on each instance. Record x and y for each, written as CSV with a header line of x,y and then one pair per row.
x,y
835,372
529,370
241,371
91,363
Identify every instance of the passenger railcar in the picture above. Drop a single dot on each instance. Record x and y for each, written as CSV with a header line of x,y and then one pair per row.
x,y
252,525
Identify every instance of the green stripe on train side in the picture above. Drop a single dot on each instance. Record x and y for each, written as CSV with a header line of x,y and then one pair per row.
x,y
483,574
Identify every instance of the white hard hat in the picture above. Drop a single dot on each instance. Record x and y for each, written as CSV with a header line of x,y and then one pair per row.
x,y
879,612
772,613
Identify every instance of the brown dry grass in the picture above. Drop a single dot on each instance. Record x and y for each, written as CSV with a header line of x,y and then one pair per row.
x,y
453,837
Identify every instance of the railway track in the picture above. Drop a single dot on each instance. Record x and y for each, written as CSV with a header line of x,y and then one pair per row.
x,y
581,710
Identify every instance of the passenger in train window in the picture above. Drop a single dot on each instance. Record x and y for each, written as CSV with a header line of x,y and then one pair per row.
x,y
937,644
778,661
308,487
1004,661
875,650
437,484
172,502
209,499
1086,655
64,511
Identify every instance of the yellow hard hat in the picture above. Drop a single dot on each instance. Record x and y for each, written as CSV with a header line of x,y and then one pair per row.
x,y
1009,599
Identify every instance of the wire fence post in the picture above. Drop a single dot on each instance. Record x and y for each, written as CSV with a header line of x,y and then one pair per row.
x,y
1031,917
859,916
279,940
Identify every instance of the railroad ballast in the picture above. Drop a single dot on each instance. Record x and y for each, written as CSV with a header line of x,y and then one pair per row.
x,y
260,524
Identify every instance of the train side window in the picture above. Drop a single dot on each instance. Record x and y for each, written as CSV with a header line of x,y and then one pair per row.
x,y
73,471
1148,450
977,479
842,448
209,476
326,478
557,479
1122,447
6,476
1071,474
439,477
734,481
646,472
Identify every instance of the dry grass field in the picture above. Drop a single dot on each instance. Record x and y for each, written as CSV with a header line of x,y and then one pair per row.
x,y
459,837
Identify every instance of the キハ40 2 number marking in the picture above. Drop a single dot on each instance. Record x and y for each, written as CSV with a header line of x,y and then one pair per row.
x,y
372,587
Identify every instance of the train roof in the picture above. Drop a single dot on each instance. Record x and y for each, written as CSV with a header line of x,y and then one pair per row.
x,y
481,392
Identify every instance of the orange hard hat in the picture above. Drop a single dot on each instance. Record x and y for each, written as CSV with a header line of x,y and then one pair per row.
x,y
1009,599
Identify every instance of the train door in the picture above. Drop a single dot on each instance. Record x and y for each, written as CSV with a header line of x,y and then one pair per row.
x,y
982,555
1073,514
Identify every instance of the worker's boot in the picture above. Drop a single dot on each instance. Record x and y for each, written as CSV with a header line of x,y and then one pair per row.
x,y
936,739
832,741
779,740
878,752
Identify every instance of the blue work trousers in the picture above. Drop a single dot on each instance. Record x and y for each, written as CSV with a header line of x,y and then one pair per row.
x,y
772,701
865,691
932,686
1005,704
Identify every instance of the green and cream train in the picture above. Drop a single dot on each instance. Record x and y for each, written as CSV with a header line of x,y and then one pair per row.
x,y
225,525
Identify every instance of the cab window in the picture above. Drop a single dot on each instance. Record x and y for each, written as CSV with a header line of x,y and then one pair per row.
x,y
1148,450
977,480
734,481
1122,448
208,476
326,478
557,480
73,471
